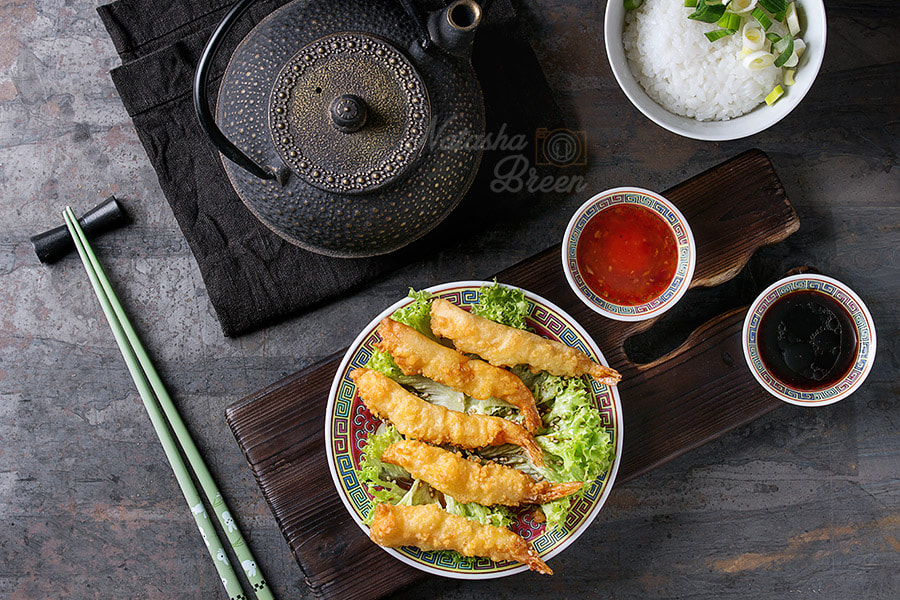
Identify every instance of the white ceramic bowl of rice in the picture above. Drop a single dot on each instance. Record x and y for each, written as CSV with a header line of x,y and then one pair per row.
x,y
657,49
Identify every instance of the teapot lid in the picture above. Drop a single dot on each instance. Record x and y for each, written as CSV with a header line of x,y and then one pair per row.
x,y
349,113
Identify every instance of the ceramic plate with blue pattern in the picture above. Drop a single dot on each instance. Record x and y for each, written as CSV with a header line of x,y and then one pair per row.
x,y
859,365
348,423
684,246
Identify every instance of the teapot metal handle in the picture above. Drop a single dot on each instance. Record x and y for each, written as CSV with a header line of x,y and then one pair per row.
x,y
201,101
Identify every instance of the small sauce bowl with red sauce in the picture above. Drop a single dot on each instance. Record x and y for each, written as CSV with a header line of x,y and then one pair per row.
x,y
629,254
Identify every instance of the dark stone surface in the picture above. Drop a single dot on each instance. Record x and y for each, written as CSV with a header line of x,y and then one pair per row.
x,y
802,503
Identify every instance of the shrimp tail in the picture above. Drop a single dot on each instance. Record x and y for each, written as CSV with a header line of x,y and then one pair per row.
x,y
605,375
532,420
526,441
535,563
541,494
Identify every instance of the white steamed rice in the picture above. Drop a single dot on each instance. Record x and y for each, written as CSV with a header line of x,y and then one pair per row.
x,y
685,73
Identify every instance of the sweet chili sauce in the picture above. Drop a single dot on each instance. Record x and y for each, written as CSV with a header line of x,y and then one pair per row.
x,y
807,340
627,254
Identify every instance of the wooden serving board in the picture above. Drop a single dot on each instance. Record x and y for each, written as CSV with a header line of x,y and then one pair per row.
x,y
666,412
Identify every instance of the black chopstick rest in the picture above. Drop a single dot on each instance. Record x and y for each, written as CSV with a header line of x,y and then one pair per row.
x,y
52,245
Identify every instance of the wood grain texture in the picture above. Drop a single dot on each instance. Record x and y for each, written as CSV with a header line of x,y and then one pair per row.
x,y
697,393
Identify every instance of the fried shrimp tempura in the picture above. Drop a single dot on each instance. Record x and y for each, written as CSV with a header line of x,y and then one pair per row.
x,y
468,481
429,527
415,354
506,346
422,420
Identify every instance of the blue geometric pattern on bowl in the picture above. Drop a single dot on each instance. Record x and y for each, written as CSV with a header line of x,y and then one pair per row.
x,y
682,240
864,332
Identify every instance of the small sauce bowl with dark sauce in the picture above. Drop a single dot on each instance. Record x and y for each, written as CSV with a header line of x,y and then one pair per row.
x,y
629,254
809,340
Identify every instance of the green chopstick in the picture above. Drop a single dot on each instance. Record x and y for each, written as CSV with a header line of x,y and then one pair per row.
x,y
148,382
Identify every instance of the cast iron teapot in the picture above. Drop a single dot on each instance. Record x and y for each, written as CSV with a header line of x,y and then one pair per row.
x,y
346,126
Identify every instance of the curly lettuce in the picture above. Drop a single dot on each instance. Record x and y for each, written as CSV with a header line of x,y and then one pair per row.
x,y
576,440
380,477
418,314
384,364
502,304
576,445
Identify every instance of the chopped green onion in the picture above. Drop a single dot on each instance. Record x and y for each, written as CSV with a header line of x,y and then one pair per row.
x,y
774,6
758,60
752,37
707,13
730,21
762,18
799,47
742,6
785,48
774,95
789,77
690,3
633,4
718,34
773,37
781,42
793,21
792,60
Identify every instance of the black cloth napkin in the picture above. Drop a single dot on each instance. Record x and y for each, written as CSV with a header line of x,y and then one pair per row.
x,y
253,276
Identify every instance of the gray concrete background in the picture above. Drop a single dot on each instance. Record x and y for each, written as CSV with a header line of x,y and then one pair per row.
x,y
800,504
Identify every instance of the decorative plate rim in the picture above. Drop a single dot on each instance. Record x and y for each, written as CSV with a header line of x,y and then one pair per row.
x,y
831,394
576,533
643,311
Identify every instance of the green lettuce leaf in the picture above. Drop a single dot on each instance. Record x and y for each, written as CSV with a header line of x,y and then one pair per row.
x,y
493,407
576,440
498,516
380,477
384,364
419,493
444,395
501,304
576,445
557,511
418,314
513,456
434,392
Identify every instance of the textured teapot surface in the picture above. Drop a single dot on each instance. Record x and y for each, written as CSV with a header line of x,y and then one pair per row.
x,y
342,93
349,113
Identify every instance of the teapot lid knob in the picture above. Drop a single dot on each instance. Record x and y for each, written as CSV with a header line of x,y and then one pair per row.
x,y
348,113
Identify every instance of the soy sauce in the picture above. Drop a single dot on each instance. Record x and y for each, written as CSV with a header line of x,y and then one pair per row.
x,y
807,340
